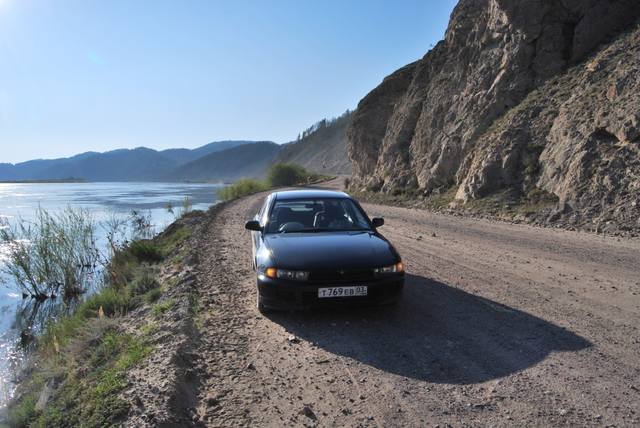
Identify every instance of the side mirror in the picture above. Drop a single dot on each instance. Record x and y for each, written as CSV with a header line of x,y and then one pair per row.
x,y
253,225
377,221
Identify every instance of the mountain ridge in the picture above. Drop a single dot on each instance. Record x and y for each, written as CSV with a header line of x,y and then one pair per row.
x,y
140,163
245,161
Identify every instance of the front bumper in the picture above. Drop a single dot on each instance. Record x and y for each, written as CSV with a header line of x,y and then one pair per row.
x,y
281,294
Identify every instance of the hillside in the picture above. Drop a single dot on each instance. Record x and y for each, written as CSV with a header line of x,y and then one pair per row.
x,y
248,160
321,148
182,156
529,103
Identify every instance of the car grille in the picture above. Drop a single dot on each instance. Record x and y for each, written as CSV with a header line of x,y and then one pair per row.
x,y
342,275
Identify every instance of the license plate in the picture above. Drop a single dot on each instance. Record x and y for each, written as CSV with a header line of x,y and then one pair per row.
x,y
327,292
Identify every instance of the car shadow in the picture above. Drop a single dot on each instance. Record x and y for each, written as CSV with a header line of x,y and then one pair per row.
x,y
436,333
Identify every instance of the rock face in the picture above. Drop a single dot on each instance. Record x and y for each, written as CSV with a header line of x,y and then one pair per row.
x,y
533,96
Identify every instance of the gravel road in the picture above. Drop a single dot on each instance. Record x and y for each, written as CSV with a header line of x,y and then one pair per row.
x,y
500,324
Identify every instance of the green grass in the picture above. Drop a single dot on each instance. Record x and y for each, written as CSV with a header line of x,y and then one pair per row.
x,y
169,242
149,329
243,187
160,309
146,251
90,373
60,333
94,395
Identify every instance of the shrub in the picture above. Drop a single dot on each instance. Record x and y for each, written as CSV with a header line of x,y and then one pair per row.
x,y
241,188
153,295
121,269
145,251
144,282
112,302
287,174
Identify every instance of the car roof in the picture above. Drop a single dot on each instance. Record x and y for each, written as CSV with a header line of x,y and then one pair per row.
x,y
309,193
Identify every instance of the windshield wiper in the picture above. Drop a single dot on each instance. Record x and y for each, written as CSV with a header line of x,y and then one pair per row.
x,y
309,230
316,230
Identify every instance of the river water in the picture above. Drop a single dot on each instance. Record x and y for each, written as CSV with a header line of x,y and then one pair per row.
x,y
102,200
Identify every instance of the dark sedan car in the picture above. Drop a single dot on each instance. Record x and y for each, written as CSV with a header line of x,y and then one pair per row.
x,y
317,247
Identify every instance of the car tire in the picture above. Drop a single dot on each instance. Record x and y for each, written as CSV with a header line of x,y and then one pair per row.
x,y
261,307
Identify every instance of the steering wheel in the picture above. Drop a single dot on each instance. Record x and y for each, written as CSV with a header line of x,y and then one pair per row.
x,y
316,218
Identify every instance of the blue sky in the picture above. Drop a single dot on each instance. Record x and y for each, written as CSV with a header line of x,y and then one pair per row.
x,y
80,75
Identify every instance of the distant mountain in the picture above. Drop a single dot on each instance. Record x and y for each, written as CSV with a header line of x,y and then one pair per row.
x,y
248,160
321,148
140,164
35,169
7,171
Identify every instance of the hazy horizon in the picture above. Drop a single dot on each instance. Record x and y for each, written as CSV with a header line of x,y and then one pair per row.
x,y
133,148
159,75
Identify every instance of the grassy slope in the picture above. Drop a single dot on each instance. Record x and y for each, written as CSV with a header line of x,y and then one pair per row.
x,y
82,360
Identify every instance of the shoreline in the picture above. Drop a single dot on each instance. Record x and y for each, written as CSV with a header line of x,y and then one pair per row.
x,y
139,290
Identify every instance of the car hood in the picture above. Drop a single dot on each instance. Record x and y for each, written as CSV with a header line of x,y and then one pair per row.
x,y
330,250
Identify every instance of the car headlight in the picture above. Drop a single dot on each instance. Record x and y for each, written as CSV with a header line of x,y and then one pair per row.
x,y
292,275
396,268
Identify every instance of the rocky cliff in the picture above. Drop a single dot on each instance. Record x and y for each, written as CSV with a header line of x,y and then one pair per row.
x,y
536,98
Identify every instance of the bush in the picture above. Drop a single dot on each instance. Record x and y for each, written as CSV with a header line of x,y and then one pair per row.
x,y
287,174
144,282
153,295
112,302
241,188
145,251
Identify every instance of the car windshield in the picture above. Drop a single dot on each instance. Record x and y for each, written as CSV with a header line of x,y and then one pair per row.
x,y
316,215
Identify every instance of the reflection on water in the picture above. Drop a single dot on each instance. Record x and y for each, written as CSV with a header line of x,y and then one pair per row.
x,y
21,318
